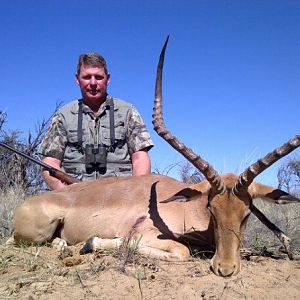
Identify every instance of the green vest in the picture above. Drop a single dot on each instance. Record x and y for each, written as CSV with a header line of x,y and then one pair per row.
x,y
96,131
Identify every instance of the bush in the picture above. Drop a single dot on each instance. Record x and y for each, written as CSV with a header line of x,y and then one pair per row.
x,y
19,177
16,171
286,217
9,199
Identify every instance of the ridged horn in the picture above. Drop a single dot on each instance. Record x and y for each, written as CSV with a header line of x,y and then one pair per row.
x,y
159,126
247,177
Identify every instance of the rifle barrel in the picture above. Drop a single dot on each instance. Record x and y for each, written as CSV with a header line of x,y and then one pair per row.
x,y
53,171
25,155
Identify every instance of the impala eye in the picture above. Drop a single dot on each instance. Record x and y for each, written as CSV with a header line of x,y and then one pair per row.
x,y
210,209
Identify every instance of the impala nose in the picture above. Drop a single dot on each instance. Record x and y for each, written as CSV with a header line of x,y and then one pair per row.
x,y
226,270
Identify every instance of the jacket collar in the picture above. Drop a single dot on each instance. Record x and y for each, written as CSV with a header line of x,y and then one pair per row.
x,y
104,106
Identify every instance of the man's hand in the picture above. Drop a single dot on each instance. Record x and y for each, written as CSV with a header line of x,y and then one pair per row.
x,y
52,182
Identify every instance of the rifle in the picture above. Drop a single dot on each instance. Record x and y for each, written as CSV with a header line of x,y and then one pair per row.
x,y
64,177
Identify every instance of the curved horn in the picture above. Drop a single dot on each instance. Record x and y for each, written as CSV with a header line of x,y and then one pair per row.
x,y
159,126
247,177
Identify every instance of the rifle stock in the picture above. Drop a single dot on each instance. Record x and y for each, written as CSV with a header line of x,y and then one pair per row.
x,y
64,177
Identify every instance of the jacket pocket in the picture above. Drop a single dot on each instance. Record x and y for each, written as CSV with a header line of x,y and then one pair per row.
x,y
120,132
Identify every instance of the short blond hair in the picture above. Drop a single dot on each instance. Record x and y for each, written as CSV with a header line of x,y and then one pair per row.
x,y
93,60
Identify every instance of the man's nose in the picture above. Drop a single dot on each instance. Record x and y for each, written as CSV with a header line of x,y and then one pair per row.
x,y
93,80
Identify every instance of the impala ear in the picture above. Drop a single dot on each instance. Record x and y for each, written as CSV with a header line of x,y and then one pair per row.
x,y
191,193
268,193
202,186
185,195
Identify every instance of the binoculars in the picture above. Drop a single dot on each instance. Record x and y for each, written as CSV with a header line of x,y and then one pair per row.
x,y
95,157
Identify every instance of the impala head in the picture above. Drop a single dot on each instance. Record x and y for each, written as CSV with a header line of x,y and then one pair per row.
x,y
230,213
229,196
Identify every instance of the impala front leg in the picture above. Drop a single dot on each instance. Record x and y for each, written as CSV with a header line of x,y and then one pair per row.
x,y
95,243
151,245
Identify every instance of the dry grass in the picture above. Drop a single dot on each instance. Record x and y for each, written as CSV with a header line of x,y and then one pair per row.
x,y
9,199
286,217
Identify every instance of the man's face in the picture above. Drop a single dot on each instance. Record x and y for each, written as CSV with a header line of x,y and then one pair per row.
x,y
93,83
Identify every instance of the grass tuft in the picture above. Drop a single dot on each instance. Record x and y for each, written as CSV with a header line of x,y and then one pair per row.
x,y
9,199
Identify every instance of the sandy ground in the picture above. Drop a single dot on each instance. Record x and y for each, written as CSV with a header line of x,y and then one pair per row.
x,y
44,273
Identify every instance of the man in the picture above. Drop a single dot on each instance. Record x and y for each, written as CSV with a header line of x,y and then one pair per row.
x,y
96,136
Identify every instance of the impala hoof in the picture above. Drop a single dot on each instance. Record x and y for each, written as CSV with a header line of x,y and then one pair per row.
x,y
88,246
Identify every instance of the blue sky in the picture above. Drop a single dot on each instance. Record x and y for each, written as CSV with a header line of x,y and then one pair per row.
x,y
231,83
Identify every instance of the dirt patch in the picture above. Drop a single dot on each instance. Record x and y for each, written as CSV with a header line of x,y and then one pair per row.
x,y
43,273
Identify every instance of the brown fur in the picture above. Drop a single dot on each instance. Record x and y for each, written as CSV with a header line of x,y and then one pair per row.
x,y
115,207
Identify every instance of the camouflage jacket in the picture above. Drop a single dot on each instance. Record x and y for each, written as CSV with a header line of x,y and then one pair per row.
x,y
131,135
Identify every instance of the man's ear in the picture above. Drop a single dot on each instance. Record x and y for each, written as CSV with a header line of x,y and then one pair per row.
x,y
108,78
76,78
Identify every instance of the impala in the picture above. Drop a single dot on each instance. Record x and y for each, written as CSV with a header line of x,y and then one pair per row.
x,y
166,216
